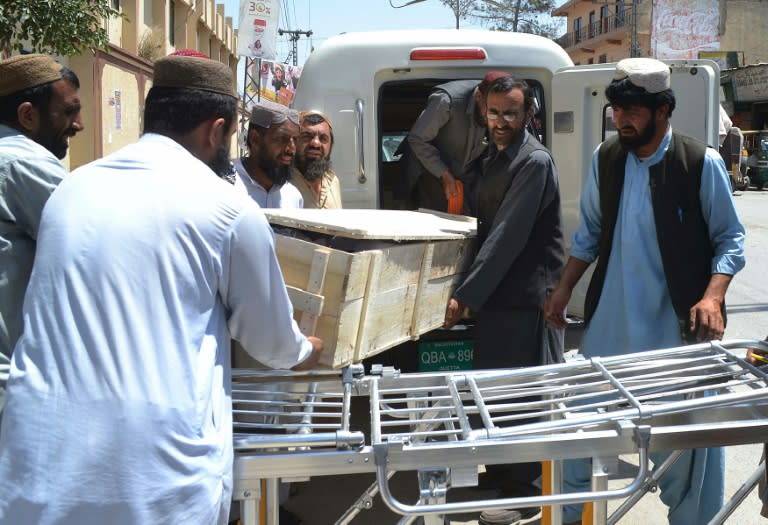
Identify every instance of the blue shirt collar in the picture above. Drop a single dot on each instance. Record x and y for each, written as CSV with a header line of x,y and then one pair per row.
x,y
660,151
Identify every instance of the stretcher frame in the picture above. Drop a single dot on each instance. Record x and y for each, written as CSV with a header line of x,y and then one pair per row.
x,y
294,426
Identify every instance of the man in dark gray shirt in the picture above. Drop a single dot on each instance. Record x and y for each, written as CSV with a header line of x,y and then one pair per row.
x,y
520,259
447,141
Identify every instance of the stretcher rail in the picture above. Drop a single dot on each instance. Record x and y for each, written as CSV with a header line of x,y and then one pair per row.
x,y
443,424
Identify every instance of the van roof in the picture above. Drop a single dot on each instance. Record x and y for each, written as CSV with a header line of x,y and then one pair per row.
x,y
384,49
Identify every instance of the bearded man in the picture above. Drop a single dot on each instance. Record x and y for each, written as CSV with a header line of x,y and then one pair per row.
x,y
265,173
657,215
119,406
313,174
520,257
39,112
446,146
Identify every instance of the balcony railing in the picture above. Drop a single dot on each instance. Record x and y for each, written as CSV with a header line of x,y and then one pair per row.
x,y
614,23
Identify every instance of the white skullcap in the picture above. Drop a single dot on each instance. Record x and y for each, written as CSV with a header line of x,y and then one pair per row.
x,y
647,73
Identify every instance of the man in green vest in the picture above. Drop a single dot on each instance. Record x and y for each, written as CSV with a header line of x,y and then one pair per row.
x,y
657,215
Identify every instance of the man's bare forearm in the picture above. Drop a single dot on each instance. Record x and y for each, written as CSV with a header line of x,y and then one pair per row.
x,y
572,272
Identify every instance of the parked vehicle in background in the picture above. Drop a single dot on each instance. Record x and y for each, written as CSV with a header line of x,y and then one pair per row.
x,y
756,144
732,152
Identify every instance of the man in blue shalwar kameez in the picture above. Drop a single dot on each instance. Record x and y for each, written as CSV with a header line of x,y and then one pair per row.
x,y
658,217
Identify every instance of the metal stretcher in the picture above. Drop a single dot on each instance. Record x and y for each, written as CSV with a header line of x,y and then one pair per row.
x,y
443,426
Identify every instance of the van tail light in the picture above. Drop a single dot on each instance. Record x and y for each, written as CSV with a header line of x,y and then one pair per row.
x,y
445,53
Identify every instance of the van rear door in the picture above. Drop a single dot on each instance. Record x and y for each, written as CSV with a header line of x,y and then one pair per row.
x,y
581,119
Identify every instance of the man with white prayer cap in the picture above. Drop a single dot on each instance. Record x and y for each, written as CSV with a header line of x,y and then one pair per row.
x,y
658,217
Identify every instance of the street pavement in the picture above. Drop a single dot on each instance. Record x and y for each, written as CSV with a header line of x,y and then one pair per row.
x,y
322,500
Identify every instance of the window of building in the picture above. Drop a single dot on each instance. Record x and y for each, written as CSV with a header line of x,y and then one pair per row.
x,y
592,29
602,59
148,15
591,61
619,13
172,23
604,16
577,30
116,5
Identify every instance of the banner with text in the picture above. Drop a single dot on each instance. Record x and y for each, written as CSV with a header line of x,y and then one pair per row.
x,y
257,32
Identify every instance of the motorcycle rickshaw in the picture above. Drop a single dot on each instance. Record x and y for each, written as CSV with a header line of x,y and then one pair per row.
x,y
733,154
756,144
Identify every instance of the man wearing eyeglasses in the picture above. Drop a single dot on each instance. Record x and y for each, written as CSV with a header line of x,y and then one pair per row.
x,y
447,143
520,258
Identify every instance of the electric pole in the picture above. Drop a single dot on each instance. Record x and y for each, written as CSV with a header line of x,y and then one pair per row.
x,y
634,43
293,36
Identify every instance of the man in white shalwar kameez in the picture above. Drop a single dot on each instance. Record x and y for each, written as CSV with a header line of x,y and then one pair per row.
x,y
119,404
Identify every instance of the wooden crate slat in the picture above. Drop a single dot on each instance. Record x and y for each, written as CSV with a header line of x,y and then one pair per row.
x,y
387,321
374,272
305,302
315,283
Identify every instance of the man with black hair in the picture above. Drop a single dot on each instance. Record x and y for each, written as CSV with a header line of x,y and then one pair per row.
x,y
39,112
520,256
119,406
447,143
657,215
313,174
265,173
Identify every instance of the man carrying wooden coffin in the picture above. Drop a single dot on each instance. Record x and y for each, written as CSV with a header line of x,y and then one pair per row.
x,y
520,258
119,406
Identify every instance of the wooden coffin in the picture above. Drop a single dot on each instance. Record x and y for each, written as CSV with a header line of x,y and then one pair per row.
x,y
367,280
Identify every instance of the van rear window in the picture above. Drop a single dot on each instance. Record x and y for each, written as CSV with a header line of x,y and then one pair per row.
x,y
399,104
390,142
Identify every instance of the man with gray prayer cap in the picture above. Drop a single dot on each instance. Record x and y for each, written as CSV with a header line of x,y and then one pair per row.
x,y
658,217
39,113
271,141
148,265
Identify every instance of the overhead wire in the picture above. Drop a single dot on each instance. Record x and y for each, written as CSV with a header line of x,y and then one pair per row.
x,y
310,45
286,41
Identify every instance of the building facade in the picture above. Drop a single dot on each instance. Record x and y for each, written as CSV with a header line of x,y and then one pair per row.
x,y
666,29
599,33
114,84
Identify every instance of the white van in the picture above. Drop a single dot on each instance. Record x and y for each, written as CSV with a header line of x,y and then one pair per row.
x,y
374,85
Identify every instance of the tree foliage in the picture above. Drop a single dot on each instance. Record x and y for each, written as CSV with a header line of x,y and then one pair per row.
x,y
60,27
525,16
462,9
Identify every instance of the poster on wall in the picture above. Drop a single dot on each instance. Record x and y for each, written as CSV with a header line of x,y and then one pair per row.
x,y
274,81
257,32
684,28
